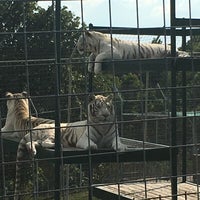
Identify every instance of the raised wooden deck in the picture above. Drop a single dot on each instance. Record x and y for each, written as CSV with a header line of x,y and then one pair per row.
x,y
151,190
137,151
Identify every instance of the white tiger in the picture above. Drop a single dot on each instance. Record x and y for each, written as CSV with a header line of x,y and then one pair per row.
x,y
99,131
18,119
99,45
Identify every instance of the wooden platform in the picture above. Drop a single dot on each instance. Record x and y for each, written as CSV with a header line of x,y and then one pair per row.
x,y
158,65
137,151
154,190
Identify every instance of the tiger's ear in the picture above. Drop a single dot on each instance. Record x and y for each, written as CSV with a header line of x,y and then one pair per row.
x,y
24,93
110,97
88,33
9,94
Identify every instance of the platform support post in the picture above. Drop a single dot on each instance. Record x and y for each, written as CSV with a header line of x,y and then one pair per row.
x,y
184,106
57,92
173,104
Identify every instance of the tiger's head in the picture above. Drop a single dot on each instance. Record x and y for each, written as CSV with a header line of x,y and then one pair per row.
x,y
89,41
101,109
17,103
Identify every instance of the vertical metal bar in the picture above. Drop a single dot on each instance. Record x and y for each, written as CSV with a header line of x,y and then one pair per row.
x,y
114,92
146,104
164,24
185,195
184,121
89,89
2,162
34,162
184,127
173,106
57,92
90,179
142,100
90,82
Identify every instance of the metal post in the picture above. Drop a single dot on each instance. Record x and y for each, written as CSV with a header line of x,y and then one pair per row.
x,y
173,106
184,121
90,82
173,134
146,105
2,162
57,92
184,127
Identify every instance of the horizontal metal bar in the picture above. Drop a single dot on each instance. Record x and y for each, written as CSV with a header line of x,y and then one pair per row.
x,y
122,66
33,0
185,22
144,31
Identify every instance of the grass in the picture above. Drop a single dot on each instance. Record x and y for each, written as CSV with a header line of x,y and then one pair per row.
x,y
78,195
83,195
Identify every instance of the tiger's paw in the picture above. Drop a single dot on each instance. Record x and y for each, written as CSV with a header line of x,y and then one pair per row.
x,y
85,145
31,148
183,54
97,68
90,67
93,146
119,147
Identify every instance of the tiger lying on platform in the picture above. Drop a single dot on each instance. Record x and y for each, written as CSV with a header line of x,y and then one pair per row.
x,y
99,131
18,119
99,45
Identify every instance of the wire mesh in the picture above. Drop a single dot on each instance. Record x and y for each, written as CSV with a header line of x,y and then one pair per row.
x,y
156,101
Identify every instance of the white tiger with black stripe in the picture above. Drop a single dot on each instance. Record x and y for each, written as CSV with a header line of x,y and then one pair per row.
x,y
99,131
99,45
18,119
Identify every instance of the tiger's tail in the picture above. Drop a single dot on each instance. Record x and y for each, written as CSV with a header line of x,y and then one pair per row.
x,y
20,165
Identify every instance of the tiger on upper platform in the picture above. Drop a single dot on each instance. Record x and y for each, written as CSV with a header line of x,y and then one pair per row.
x,y
99,45
18,119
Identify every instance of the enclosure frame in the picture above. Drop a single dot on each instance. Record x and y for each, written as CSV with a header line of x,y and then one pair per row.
x,y
174,65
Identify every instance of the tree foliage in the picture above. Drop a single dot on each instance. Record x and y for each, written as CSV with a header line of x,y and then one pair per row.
x,y
28,51
193,44
28,37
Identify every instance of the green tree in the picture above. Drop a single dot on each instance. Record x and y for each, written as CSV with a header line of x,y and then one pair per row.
x,y
157,40
193,77
193,44
27,38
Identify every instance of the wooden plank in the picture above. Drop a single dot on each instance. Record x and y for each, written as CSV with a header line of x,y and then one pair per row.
x,y
154,190
152,65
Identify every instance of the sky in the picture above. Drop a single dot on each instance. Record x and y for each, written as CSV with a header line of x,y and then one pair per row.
x,y
151,13
123,12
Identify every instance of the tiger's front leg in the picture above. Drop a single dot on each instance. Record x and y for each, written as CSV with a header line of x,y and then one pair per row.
x,y
91,62
9,135
8,132
48,143
103,57
118,145
31,146
83,143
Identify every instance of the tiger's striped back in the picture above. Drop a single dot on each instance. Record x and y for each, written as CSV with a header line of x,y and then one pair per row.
x,y
18,117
